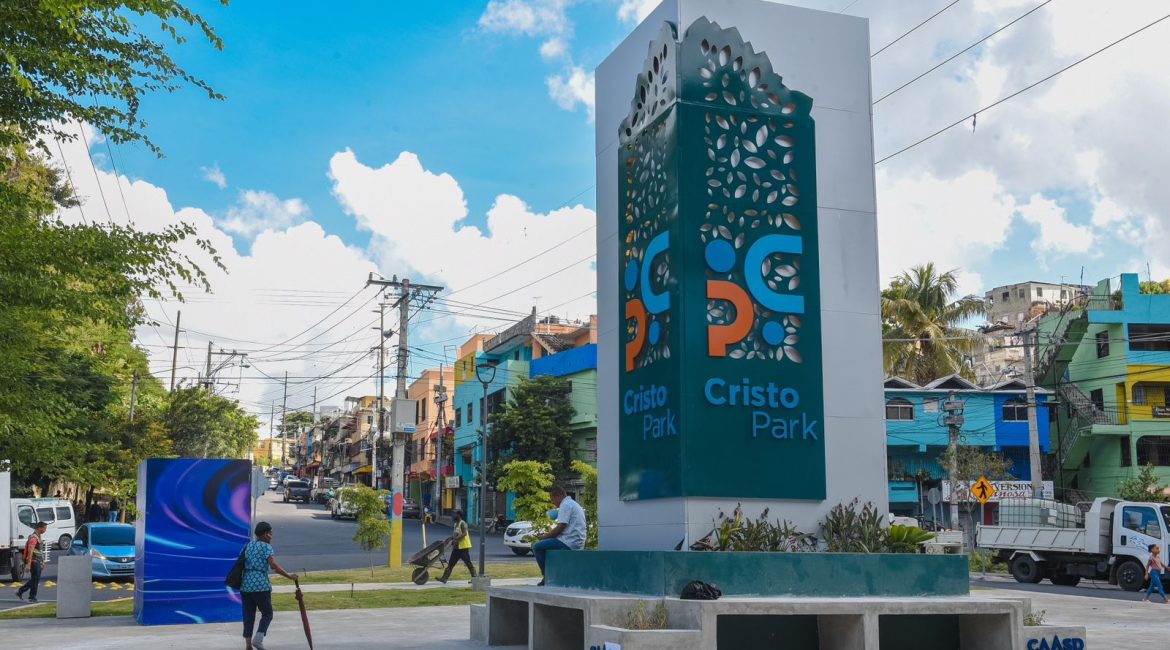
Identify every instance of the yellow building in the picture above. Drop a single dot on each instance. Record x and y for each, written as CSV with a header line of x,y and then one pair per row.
x,y
268,451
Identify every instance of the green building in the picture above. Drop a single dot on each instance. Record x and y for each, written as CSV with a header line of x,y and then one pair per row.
x,y
1106,358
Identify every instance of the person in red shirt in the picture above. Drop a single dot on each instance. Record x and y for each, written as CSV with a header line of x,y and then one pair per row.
x,y
34,563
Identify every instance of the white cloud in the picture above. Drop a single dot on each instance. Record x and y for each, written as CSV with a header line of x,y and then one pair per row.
x,y
575,86
553,49
214,175
635,11
417,218
258,211
529,17
955,223
1057,234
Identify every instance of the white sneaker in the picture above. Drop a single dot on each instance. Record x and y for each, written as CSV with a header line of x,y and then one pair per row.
x,y
258,641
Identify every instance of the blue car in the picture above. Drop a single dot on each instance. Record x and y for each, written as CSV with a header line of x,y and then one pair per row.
x,y
110,545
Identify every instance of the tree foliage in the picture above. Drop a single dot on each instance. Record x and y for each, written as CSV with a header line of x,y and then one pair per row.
x,y
534,425
64,61
1143,487
922,325
588,500
530,481
295,420
204,425
1155,287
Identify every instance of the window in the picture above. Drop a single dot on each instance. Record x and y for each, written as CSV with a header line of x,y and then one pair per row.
x,y
1022,293
1015,410
1063,294
1039,292
1149,338
1097,397
1153,450
1126,453
1007,296
899,409
1139,395
1102,344
516,355
83,535
1142,520
369,420
458,417
424,410
26,516
64,513
46,515
470,413
122,535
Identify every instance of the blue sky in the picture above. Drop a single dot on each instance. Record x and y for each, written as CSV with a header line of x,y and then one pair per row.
x,y
453,140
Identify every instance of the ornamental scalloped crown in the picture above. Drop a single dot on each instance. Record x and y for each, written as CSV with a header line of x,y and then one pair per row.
x,y
718,68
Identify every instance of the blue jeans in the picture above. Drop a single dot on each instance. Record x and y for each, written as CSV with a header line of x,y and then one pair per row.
x,y
113,516
253,600
34,580
541,548
1156,582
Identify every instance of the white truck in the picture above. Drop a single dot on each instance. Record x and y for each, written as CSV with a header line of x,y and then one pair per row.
x,y
18,517
1112,543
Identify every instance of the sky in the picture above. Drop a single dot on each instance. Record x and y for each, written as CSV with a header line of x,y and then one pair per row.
x,y
452,143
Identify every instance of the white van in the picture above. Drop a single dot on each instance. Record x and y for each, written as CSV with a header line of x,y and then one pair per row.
x,y
58,513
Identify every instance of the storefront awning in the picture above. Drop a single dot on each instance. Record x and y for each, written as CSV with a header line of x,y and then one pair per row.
x,y
364,469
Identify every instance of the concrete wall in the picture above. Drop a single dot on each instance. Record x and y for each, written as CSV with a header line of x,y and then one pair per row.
x,y
826,56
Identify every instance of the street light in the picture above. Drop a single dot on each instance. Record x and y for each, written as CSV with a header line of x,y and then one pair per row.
x,y
486,373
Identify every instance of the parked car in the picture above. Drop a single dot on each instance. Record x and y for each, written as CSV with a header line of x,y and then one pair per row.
x,y
296,490
339,507
59,515
110,545
272,482
514,537
410,509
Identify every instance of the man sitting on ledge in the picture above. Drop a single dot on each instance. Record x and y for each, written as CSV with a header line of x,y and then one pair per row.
x,y
569,533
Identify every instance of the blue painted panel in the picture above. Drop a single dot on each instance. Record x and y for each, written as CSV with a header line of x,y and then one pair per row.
x,y
1014,434
903,492
566,363
195,517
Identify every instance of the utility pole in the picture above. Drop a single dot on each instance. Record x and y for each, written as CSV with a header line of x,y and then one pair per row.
x,y
406,291
207,375
175,350
314,405
440,401
284,429
133,394
381,420
1033,431
954,421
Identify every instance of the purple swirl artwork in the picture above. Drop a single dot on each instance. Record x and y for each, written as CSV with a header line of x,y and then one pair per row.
x,y
194,517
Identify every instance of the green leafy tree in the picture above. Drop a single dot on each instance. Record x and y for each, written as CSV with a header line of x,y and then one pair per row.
x,y
530,481
588,500
1155,287
534,425
64,61
369,508
1143,487
204,425
922,325
295,420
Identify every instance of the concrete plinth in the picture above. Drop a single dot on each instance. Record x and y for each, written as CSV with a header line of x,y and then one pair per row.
x,y
74,586
552,617
481,583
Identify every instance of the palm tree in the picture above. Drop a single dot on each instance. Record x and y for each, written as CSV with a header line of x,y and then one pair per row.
x,y
921,325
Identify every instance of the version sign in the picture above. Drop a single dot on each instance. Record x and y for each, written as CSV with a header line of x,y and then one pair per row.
x,y
721,384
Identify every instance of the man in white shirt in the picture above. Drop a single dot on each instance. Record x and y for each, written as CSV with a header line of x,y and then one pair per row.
x,y
567,534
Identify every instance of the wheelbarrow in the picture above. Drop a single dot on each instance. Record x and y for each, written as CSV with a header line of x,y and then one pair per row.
x,y
432,555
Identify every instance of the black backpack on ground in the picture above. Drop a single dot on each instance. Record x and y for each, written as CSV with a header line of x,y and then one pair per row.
x,y
235,577
699,590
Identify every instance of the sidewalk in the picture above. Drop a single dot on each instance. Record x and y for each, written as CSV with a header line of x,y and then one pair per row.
x,y
425,628
1110,623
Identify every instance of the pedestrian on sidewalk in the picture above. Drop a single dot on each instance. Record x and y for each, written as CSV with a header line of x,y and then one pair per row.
x,y
1154,569
568,534
256,590
114,508
462,550
34,563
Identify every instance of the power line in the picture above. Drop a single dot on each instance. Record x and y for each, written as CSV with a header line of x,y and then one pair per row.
x,y
913,29
1023,90
96,178
69,175
961,52
522,263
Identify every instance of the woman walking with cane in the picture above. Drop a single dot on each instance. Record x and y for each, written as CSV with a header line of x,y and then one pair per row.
x,y
256,590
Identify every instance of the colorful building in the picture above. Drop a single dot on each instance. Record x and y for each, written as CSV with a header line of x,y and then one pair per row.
x,y
1107,357
421,472
995,420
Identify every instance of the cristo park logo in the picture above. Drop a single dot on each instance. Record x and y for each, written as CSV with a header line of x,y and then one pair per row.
x,y
646,313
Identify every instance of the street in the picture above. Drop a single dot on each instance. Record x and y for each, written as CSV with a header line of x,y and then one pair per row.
x,y
306,539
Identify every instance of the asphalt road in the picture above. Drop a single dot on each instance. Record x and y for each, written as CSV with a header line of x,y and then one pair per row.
x,y
305,537
1087,588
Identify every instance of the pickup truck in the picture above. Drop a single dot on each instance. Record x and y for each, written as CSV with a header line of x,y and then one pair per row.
x,y
296,490
1111,543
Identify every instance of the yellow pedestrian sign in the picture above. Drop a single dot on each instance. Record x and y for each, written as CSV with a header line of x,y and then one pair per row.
x,y
983,490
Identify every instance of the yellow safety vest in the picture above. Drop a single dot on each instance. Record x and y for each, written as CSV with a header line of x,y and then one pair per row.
x,y
465,541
